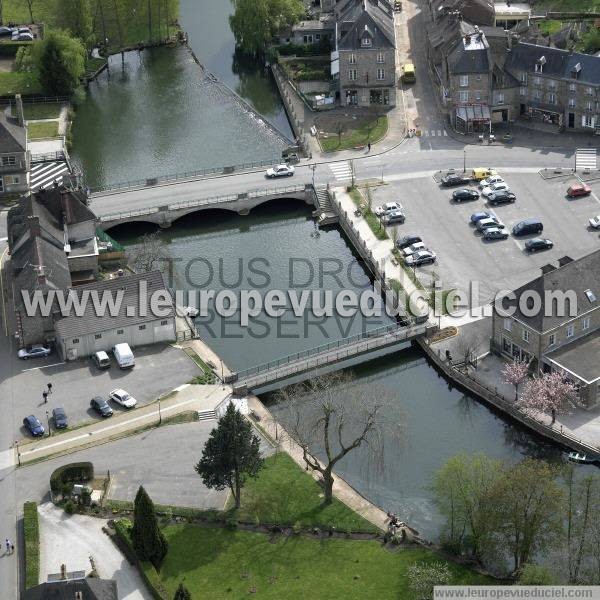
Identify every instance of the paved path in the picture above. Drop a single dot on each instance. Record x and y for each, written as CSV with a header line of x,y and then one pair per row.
x,y
72,539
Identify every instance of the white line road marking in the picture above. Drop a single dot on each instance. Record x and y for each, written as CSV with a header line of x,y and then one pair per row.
x,y
42,367
595,197
7,459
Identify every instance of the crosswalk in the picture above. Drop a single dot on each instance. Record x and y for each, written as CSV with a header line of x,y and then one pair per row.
x,y
45,174
585,158
341,170
434,133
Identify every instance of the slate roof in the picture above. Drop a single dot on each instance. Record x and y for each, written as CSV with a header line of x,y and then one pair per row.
x,y
73,326
580,357
13,137
471,58
365,15
90,588
477,12
579,275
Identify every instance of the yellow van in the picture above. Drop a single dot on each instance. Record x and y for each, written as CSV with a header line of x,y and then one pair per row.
x,y
480,173
408,73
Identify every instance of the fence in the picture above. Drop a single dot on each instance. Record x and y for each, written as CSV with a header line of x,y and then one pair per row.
x,y
48,157
40,99
499,401
104,237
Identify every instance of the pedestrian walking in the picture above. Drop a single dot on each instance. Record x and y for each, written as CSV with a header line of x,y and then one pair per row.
x,y
369,147
49,388
7,542
12,548
45,396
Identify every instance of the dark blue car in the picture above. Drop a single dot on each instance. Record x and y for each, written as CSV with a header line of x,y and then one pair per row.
x,y
480,215
33,425
59,416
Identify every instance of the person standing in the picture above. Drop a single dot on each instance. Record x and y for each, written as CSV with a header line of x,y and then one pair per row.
x,y
8,545
49,388
45,396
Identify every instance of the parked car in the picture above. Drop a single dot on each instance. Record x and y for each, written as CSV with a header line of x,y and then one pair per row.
x,y
6,31
413,248
59,416
387,208
35,351
33,425
421,257
579,189
480,173
464,195
495,187
595,222
483,224
531,226
101,406
407,240
101,360
124,356
280,171
538,244
396,216
123,398
21,37
453,179
502,197
490,180
495,233
481,215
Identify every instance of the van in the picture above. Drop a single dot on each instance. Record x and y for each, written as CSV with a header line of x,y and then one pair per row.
x,y
528,227
408,73
480,173
124,356
101,360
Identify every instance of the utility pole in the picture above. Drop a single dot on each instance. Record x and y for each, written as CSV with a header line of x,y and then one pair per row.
x,y
465,160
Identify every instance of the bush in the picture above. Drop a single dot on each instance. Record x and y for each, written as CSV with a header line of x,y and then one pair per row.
x,y
231,523
31,533
304,49
82,471
70,507
11,48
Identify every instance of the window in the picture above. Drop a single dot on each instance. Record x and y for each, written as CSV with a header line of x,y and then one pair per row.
x,y
463,96
552,98
523,91
585,323
587,121
525,335
120,332
571,103
590,295
352,74
572,87
164,322
308,39
507,324
588,105
589,91
366,42
463,80
75,341
506,345
352,59
380,74
500,98
524,78
318,37
570,331
551,339
98,336
8,160
537,94
16,179
537,80
380,57
142,327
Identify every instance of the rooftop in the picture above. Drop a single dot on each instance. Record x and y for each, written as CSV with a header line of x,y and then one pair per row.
x,y
89,588
13,137
580,358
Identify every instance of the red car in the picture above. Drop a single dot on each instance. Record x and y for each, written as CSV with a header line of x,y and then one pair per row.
x,y
580,189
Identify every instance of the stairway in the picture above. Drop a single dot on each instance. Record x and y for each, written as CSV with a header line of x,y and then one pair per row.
x,y
325,211
206,415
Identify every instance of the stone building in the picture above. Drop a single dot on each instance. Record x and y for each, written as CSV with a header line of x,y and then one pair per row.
x,y
15,158
569,344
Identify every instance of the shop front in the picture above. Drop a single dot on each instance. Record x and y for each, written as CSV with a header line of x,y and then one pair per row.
x,y
473,118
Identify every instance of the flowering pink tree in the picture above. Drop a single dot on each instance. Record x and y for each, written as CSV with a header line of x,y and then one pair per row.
x,y
549,393
514,373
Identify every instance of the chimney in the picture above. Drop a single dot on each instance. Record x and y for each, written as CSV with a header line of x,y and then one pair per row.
x,y
565,260
548,269
63,571
467,40
19,108
34,227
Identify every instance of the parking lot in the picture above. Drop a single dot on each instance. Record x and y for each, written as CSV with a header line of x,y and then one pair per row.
x,y
464,257
158,370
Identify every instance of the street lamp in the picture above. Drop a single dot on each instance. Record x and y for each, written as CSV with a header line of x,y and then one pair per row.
x,y
159,413
465,160
48,422
313,168
18,453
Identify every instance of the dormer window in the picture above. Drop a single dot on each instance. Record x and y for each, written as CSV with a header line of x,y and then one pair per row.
x,y
576,70
365,42
539,65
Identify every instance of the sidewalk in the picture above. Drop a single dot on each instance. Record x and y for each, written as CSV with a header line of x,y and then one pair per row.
x,y
185,398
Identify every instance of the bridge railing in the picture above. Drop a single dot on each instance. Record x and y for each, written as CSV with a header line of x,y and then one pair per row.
x,y
394,329
48,157
129,213
151,181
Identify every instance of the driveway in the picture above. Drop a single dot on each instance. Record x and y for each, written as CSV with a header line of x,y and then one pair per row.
x,y
72,539
158,370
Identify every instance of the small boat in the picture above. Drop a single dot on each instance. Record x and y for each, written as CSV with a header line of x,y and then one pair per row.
x,y
581,458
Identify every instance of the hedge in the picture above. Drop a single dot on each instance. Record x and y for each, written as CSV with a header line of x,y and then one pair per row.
x,y
31,532
81,471
303,49
11,48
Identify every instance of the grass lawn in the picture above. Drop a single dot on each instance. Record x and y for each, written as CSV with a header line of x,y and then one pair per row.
x,y
19,83
370,217
218,563
37,131
31,530
50,110
567,5
284,494
549,27
371,131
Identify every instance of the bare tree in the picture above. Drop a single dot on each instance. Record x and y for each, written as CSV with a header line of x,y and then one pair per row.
x,y
30,7
468,345
149,255
332,415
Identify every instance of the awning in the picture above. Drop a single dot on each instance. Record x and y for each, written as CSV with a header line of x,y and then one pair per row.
x,y
473,113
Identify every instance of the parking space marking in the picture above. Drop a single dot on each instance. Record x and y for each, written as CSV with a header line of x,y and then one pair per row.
x,y
42,367
595,197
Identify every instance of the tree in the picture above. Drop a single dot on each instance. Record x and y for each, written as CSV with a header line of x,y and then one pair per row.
x,y
230,455
514,373
76,17
61,61
255,23
550,393
334,414
530,503
182,593
30,7
150,254
536,575
423,577
149,542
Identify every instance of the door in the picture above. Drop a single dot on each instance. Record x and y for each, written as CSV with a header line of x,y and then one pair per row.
x,y
571,120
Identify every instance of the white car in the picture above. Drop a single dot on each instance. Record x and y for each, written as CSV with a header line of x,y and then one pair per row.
x,y
280,171
595,222
414,248
422,257
495,187
123,398
35,351
490,181
388,207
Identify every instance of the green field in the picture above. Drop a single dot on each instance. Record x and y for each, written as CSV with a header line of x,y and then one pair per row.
x,y
217,563
371,131
19,83
46,110
42,130
284,494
